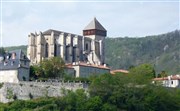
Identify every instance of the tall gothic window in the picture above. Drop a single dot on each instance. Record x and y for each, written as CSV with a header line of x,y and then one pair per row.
x,y
67,53
74,54
55,49
46,50
86,47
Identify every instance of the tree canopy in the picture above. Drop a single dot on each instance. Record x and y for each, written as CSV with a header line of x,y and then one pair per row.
x,y
123,92
49,68
119,92
142,74
2,51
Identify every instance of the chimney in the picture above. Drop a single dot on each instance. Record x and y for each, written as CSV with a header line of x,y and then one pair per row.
x,y
13,55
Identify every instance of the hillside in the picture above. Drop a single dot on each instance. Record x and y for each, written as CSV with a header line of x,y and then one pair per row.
x,y
162,51
22,47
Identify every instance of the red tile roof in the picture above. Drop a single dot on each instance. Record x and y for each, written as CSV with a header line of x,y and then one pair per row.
x,y
172,77
88,65
119,70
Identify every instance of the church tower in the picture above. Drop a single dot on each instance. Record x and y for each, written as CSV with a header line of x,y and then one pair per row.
x,y
97,33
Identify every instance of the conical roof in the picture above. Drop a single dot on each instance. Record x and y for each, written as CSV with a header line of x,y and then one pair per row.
x,y
94,24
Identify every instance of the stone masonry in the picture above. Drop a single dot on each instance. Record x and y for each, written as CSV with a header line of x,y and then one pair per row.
x,y
31,90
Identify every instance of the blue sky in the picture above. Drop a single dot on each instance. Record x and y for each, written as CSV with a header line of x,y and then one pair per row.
x,y
120,18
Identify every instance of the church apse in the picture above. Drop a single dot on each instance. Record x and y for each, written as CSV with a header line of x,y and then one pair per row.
x,y
71,47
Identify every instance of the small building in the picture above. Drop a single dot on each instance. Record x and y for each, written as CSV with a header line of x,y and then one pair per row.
x,y
14,67
169,81
85,70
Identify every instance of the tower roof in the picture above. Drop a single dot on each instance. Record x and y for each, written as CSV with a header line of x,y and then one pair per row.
x,y
94,24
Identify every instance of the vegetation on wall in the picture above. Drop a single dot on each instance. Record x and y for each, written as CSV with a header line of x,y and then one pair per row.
x,y
48,68
9,93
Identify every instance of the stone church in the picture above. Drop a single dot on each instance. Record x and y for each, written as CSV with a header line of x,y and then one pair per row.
x,y
74,49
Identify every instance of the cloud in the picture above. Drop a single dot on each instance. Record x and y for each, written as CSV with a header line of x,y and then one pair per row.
x,y
120,19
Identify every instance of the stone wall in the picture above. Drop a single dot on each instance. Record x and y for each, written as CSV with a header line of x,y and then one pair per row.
x,y
30,90
9,76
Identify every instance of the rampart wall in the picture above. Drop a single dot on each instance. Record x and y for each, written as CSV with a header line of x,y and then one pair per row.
x,y
31,90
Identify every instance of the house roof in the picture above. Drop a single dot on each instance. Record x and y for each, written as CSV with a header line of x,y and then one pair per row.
x,y
119,70
94,24
56,32
7,61
172,77
88,65
48,32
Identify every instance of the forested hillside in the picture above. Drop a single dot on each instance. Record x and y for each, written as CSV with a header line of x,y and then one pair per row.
x,y
22,47
163,51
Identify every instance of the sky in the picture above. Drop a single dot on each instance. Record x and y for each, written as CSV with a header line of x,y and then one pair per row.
x,y
120,18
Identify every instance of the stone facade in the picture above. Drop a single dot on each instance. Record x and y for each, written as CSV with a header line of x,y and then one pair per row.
x,y
31,90
88,48
86,70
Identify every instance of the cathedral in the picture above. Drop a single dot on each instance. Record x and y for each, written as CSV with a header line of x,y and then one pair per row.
x,y
88,48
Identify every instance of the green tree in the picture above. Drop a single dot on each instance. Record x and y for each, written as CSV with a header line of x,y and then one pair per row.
x,y
102,86
53,67
2,51
163,74
125,96
36,71
109,107
142,74
73,101
94,104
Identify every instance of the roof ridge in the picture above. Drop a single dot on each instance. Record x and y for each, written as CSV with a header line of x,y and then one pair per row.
x,y
95,24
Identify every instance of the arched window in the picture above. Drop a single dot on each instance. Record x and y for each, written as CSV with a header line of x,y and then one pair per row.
x,y
74,54
86,47
67,53
55,49
46,50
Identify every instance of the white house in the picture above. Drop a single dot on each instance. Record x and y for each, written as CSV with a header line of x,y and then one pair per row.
x,y
14,67
169,81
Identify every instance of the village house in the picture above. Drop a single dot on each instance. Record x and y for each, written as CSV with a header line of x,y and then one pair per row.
x,y
14,67
169,81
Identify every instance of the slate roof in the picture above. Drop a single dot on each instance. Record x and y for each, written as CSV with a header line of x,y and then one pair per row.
x,y
48,32
94,24
8,63
56,32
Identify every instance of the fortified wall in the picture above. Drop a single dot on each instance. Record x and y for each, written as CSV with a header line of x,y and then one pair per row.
x,y
31,90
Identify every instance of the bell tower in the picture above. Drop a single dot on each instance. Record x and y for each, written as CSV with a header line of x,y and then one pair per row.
x,y
97,33
94,28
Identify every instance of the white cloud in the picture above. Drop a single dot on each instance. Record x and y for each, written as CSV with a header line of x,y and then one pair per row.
x,y
120,19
